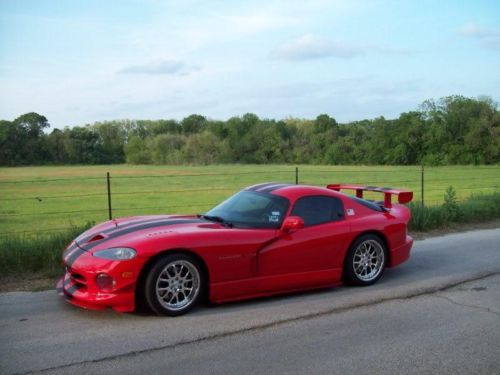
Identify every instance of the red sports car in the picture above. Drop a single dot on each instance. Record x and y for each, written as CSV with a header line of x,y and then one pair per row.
x,y
267,239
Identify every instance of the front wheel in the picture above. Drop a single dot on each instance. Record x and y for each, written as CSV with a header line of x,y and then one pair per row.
x,y
365,261
174,284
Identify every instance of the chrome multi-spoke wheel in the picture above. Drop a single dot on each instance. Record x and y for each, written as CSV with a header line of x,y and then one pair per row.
x,y
178,285
174,284
368,260
365,261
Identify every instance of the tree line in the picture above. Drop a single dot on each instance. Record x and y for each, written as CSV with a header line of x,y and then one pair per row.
x,y
451,130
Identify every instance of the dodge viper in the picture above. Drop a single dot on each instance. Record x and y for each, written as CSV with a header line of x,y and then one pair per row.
x,y
266,239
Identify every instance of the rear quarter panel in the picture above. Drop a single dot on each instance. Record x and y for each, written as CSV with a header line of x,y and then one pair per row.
x,y
392,224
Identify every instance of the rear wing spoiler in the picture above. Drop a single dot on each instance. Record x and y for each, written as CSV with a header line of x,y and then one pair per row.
x,y
404,196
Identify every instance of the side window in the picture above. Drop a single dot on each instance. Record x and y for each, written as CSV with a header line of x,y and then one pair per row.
x,y
318,209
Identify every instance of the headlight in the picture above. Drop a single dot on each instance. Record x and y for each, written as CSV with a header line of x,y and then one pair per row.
x,y
117,253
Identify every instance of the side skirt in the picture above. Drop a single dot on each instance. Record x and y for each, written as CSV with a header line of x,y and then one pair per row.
x,y
277,284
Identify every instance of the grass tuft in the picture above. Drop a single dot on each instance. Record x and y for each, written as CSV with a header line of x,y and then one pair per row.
x,y
36,253
477,208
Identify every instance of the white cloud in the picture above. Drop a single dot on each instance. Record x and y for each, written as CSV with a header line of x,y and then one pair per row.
x,y
155,67
477,31
310,46
489,37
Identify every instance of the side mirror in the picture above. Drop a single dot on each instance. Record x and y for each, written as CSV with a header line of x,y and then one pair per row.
x,y
292,223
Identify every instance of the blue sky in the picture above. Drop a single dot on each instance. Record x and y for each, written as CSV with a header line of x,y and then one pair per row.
x,y
78,62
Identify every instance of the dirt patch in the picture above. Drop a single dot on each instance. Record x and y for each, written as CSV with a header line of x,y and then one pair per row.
x,y
27,283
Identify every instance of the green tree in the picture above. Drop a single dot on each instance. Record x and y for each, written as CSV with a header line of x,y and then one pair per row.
x,y
83,146
112,137
193,124
167,149
56,146
137,150
450,130
205,148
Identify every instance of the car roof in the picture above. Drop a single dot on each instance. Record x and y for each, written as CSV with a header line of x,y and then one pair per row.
x,y
292,191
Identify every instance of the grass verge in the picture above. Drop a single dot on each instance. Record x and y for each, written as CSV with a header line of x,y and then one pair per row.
x,y
37,254
475,209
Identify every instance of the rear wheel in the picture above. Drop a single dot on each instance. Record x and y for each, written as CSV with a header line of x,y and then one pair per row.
x,y
174,284
365,261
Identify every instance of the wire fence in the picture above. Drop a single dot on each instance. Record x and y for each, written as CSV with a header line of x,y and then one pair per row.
x,y
44,205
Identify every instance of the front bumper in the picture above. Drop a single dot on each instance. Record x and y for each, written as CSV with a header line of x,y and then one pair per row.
x,y
401,254
78,285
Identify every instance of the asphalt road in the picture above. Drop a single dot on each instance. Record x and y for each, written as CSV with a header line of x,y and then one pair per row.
x,y
438,313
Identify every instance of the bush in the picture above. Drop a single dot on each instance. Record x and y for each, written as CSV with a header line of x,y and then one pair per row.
x,y
476,208
450,205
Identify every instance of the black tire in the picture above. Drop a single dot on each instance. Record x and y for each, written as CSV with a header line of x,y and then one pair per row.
x,y
174,270
356,264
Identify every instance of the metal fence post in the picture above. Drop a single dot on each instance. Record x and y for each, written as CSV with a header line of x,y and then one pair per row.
x,y
109,196
296,175
422,186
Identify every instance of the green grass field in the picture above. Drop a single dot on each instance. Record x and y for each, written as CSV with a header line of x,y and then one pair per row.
x,y
48,199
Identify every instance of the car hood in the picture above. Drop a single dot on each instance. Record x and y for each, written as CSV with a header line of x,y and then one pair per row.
x,y
126,231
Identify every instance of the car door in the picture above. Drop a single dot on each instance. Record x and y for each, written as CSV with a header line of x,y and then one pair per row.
x,y
311,255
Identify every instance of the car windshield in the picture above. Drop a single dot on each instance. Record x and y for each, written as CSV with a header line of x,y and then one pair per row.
x,y
251,209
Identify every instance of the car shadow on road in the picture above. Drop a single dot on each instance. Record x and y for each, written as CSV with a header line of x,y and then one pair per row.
x,y
392,277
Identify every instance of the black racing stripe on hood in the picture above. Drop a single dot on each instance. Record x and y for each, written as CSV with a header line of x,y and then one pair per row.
x,y
71,259
69,249
134,223
84,248
87,238
122,226
272,187
139,228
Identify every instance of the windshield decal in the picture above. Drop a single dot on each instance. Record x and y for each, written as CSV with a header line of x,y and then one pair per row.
x,y
274,217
